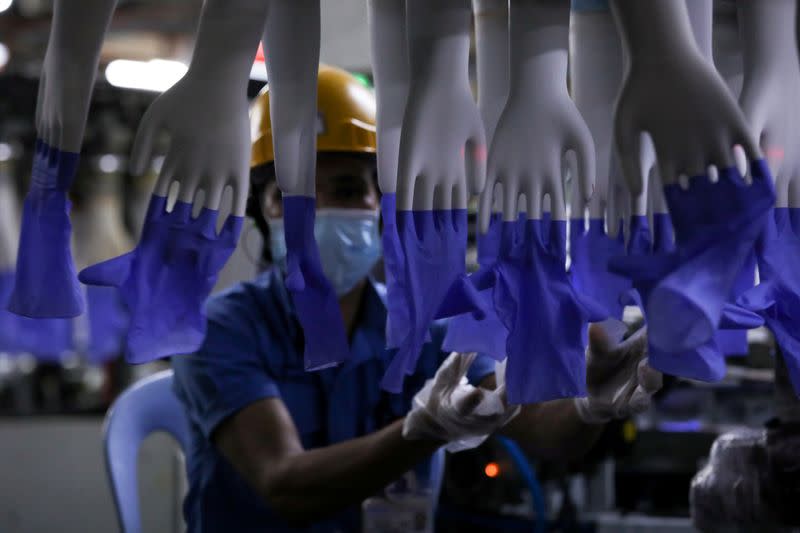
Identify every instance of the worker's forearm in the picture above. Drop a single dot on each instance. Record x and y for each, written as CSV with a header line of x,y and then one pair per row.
x,y
313,483
655,30
552,430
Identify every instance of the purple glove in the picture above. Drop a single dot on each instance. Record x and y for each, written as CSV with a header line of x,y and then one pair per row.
x,y
108,324
705,362
543,313
465,333
716,225
47,339
590,251
165,280
434,247
312,294
397,319
777,297
734,341
45,284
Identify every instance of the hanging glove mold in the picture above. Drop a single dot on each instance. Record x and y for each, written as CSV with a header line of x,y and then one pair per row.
x,y
533,296
465,333
705,362
441,160
165,280
389,51
694,122
46,285
312,294
590,251
777,297
715,227
771,83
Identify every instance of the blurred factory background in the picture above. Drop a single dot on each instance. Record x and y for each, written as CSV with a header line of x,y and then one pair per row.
x,y
52,404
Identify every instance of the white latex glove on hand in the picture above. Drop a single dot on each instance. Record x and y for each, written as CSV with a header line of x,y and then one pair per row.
x,y
618,379
449,409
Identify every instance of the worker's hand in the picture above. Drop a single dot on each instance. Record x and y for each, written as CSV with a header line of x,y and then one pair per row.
x,y
451,410
619,381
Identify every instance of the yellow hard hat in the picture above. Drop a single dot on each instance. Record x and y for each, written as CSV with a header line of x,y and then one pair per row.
x,y
345,117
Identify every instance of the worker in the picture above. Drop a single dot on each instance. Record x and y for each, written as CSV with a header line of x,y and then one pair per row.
x,y
274,447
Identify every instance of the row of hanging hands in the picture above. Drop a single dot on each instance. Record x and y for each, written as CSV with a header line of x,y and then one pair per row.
x,y
691,280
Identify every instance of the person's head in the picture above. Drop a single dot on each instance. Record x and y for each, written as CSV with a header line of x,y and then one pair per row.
x,y
347,196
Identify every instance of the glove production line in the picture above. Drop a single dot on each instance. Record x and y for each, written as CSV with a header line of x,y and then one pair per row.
x,y
421,265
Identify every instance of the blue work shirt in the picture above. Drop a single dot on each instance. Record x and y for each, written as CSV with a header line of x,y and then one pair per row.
x,y
253,350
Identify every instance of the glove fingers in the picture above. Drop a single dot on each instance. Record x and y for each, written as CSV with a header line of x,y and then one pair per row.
x,y
632,297
294,281
759,298
452,370
462,298
614,330
735,317
608,351
500,375
110,273
650,379
639,402
466,404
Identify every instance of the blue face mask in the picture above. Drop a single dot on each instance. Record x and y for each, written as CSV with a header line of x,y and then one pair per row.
x,y
349,244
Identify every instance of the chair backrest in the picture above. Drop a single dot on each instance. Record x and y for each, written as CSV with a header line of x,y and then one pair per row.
x,y
437,476
146,407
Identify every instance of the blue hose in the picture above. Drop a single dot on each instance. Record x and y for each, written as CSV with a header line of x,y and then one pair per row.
x,y
529,476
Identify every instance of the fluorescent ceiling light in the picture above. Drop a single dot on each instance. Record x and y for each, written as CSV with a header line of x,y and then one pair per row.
x,y
5,152
109,163
5,4
156,75
4,54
